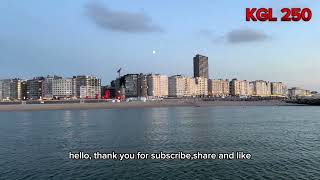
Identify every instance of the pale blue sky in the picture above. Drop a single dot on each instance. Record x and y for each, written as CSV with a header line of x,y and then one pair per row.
x,y
97,37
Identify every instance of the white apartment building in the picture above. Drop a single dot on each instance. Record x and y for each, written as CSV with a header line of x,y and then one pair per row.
x,y
158,85
62,87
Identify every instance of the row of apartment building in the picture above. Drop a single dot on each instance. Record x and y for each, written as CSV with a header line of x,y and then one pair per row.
x,y
181,86
237,87
156,85
300,92
50,87
221,87
139,85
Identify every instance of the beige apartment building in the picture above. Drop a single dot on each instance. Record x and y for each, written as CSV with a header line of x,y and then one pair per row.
x,y
261,88
90,92
157,85
190,87
201,85
218,87
235,87
177,86
278,89
240,88
181,86
245,88
298,92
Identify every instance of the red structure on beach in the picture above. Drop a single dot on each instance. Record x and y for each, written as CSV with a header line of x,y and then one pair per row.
x,y
106,94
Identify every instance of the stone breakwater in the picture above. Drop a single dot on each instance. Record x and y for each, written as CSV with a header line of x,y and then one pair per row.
x,y
306,101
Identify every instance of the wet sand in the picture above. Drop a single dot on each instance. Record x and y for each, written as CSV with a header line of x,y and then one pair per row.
x,y
150,104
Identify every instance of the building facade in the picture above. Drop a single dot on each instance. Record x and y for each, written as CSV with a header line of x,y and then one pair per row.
x,y
157,85
177,86
12,89
190,87
5,87
142,85
86,87
34,88
24,90
298,92
235,87
201,66
15,89
131,85
245,88
261,88
201,85
62,88
239,88
218,87
1,97
181,86
278,89
47,86
90,92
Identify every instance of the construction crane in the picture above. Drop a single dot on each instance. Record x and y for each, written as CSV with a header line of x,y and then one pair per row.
x,y
119,72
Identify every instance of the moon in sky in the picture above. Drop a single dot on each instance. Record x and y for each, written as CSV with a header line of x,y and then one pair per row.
x,y
154,52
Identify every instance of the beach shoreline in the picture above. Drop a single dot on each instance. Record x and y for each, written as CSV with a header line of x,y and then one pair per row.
x,y
129,105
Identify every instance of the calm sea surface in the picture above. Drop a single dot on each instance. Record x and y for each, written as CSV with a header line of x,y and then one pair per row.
x,y
284,142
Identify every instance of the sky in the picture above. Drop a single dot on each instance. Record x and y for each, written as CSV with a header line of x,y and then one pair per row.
x,y
97,37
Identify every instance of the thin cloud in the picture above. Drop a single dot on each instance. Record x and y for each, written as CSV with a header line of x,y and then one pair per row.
x,y
210,35
206,33
120,21
245,36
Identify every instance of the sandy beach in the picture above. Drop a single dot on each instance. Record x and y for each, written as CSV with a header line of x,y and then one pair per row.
x,y
150,104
